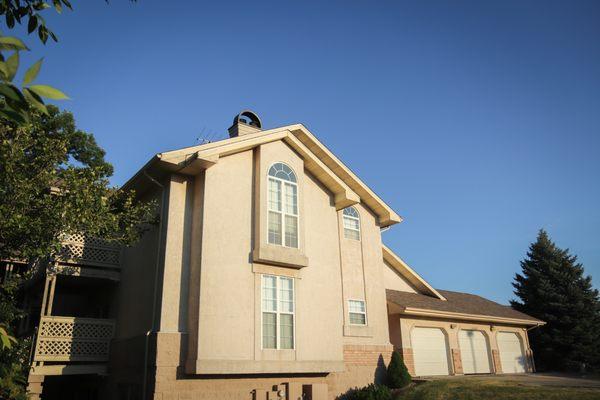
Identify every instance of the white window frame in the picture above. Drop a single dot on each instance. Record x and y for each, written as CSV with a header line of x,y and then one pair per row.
x,y
351,217
282,213
277,312
357,312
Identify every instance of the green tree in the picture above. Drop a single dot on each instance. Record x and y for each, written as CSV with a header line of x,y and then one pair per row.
x,y
54,180
17,101
552,287
397,373
21,11
14,354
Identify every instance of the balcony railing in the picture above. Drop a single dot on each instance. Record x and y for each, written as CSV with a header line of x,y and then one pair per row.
x,y
80,249
73,339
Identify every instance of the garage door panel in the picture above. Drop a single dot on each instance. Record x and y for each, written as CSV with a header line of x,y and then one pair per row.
x,y
474,352
430,351
512,358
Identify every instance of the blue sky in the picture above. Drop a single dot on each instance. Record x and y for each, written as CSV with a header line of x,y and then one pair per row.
x,y
478,122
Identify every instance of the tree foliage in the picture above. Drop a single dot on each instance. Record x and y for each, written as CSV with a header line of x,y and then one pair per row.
x,y
552,287
14,356
397,373
53,181
21,11
17,101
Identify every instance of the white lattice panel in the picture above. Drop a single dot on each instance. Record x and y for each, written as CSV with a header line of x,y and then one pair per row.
x,y
84,249
73,339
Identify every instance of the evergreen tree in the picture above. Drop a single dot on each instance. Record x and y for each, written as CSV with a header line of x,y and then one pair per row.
x,y
552,287
397,373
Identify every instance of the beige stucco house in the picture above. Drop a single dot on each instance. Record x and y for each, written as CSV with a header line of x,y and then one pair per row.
x,y
266,278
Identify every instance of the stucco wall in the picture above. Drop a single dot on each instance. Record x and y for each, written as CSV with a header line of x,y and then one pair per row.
x,y
394,281
362,277
226,313
210,284
134,303
136,287
229,316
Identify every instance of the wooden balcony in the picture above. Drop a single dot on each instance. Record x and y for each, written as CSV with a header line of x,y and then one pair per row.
x,y
70,339
80,249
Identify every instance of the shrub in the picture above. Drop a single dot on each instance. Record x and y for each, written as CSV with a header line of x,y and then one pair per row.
x,y
397,373
371,392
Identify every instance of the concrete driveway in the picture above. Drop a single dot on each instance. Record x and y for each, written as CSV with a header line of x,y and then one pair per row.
x,y
538,379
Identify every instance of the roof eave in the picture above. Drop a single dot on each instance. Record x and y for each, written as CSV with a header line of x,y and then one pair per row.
x,y
422,312
349,189
403,268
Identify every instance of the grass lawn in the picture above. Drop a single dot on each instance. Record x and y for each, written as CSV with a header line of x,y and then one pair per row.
x,y
493,389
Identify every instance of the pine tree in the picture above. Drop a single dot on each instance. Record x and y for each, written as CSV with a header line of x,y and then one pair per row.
x,y
553,288
397,373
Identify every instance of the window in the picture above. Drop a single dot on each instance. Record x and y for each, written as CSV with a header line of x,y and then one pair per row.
x,y
351,224
278,306
283,206
357,312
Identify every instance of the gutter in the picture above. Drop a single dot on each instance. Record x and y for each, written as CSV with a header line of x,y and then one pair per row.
x,y
536,326
469,317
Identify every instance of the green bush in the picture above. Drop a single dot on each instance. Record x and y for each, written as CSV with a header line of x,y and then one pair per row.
x,y
397,373
371,392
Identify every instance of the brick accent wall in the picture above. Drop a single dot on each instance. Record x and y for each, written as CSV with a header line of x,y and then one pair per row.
x,y
365,364
496,360
367,355
457,362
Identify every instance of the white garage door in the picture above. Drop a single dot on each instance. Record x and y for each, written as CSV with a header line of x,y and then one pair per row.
x,y
429,351
474,352
511,353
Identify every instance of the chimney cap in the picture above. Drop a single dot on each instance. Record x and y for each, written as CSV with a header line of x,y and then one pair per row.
x,y
248,117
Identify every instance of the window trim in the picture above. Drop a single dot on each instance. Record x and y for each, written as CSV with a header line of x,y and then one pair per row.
x,y
358,312
282,213
351,217
277,313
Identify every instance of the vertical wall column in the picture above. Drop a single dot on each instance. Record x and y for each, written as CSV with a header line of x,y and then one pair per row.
x,y
457,362
496,361
195,273
176,258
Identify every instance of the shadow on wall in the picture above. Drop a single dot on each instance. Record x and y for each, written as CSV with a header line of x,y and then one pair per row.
x,y
379,378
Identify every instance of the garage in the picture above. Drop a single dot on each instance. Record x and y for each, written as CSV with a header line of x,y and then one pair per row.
x,y
474,352
430,351
512,358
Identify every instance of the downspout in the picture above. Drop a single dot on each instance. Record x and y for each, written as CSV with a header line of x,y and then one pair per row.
x,y
154,300
533,368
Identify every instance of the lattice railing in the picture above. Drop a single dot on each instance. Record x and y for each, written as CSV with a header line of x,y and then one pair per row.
x,y
81,249
73,339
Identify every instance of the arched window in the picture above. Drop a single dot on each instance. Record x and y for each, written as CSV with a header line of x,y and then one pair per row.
x,y
351,223
283,206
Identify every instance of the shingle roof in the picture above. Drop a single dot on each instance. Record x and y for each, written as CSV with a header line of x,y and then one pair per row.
x,y
457,302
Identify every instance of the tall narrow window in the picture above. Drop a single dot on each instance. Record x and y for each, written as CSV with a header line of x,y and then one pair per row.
x,y
351,224
357,312
278,306
283,206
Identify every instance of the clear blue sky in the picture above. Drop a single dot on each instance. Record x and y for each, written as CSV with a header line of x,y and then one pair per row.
x,y
477,121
